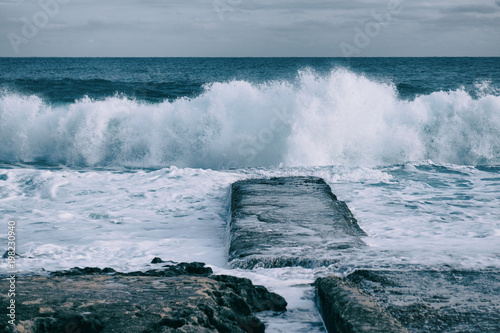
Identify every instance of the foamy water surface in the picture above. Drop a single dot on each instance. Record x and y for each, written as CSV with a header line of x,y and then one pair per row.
x,y
428,215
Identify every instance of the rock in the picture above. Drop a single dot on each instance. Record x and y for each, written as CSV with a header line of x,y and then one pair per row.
x,y
84,271
345,308
184,298
258,298
436,300
289,221
194,268
156,260
6,255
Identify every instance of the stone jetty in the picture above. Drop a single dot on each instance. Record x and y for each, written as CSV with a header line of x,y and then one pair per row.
x,y
289,221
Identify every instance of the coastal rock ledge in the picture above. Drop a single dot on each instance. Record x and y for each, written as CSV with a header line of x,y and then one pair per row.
x,y
411,299
347,309
185,297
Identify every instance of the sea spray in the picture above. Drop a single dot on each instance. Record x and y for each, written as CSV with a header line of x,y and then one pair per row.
x,y
341,118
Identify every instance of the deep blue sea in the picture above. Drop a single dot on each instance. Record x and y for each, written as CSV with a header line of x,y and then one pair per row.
x,y
64,80
110,162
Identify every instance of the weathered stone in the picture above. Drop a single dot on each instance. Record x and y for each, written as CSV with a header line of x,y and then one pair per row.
x,y
184,298
436,301
346,309
257,297
183,268
156,260
6,255
84,271
290,221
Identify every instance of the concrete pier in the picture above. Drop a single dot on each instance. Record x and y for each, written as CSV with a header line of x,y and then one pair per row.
x,y
289,221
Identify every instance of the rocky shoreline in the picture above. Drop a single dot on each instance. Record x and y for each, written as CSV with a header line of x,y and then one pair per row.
x,y
184,297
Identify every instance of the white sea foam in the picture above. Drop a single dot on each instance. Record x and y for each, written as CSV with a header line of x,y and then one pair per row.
x,y
339,119
420,214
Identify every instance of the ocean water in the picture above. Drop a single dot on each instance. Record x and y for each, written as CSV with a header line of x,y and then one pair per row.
x,y
111,162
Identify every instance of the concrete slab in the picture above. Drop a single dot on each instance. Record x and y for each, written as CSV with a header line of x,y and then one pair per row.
x,y
436,301
345,308
289,221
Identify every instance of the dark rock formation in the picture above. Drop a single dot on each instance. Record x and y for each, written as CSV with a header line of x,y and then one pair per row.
x,y
346,309
436,301
257,297
6,255
290,221
184,268
156,260
177,298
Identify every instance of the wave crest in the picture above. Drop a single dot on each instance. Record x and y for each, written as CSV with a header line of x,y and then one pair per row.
x,y
339,119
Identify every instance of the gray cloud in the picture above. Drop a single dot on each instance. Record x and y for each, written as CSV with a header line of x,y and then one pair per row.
x,y
450,23
252,28
480,9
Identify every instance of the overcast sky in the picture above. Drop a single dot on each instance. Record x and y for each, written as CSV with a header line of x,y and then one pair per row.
x,y
330,28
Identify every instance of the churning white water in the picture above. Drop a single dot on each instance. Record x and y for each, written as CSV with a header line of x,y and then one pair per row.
x,y
340,119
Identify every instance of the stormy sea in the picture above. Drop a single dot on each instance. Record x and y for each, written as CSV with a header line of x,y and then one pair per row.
x,y
110,162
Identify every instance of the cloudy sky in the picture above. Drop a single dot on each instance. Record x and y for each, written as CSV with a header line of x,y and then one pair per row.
x,y
249,28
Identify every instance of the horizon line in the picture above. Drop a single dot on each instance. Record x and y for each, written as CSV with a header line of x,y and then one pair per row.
x,y
222,57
